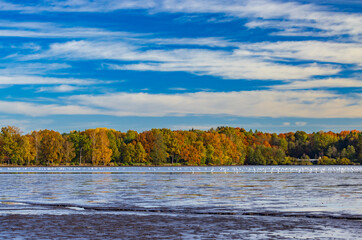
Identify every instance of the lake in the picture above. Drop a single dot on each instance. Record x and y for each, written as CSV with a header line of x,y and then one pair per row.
x,y
255,202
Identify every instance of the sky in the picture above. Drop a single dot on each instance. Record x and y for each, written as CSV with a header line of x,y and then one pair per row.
x,y
270,65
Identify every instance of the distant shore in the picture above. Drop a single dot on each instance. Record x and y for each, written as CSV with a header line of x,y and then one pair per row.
x,y
174,165
146,166
226,146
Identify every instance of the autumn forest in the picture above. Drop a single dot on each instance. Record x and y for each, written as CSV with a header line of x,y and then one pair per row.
x,y
220,146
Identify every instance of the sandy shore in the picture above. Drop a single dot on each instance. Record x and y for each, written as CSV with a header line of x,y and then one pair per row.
x,y
168,226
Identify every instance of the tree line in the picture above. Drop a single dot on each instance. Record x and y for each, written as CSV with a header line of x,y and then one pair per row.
x,y
220,146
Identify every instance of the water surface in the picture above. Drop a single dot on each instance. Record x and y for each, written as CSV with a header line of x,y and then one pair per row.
x,y
326,192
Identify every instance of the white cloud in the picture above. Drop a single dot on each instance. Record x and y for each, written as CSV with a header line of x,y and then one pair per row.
x,y
60,88
308,104
292,18
178,89
52,30
11,69
305,50
233,68
13,122
300,124
30,45
33,74
210,41
321,83
27,79
225,64
305,104
35,109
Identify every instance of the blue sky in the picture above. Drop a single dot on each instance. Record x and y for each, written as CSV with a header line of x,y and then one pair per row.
x,y
270,65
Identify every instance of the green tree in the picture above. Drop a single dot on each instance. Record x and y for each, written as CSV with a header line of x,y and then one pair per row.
x,y
332,152
350,152
10,145
130,136
68,150
101,153
140,153
82,145
28,149
51,147
114,145
158,154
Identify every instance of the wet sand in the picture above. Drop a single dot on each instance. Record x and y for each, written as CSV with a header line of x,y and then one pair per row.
x,y
174,226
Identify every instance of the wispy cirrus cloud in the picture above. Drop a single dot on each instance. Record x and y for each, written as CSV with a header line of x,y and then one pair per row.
x,y
221,63
266,103
36,73
235,68
288,17
53,30
36,109
208,41
263,60
301,124
36,80
321,83
32,68
178,89
60,89
321,51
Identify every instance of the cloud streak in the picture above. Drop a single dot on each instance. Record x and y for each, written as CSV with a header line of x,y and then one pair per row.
x,y
35,80
321,83
60,89
267,103
322,51
225,64
52,30
34,68
291,18
35,109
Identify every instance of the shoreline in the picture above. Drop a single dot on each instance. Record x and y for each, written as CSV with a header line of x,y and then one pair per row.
x,y
258,169
145,166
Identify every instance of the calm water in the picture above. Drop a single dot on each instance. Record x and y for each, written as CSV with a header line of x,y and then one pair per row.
x,y
329,190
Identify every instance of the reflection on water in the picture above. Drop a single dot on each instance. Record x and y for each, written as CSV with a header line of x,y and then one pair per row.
x,y
331,189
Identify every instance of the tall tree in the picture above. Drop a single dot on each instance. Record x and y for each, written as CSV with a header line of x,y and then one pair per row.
x,y
82,145
28,148
101,153
158,153
68,150
10,145
51,147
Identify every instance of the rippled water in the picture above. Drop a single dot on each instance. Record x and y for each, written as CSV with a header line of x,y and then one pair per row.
x,y
337,190
332,191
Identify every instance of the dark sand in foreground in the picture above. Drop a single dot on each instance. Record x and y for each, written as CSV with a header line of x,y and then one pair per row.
x,y
174,226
